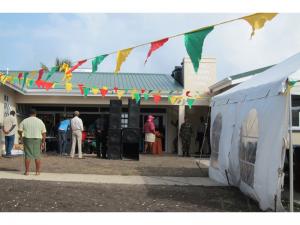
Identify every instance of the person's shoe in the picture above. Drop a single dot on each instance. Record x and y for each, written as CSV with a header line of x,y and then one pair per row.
x,y
8,156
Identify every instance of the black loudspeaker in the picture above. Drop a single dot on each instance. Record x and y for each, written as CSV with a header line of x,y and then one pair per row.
x,y
131,143
114,144
114,136
115,111
133,114
131,135
114,151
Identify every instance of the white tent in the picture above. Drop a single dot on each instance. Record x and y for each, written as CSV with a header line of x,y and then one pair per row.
x,y
249,133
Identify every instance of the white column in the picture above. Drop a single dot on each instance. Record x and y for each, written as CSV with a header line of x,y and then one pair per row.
x,y
181,115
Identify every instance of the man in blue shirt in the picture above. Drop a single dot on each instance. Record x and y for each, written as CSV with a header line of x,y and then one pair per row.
x,y
63,128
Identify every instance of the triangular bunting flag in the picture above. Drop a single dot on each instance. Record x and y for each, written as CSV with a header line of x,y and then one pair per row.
x,y
121,57
51,72
190,102
146,96
41,72
80,86
137,97
95,90
96,62
120,93
76,66
86,91
258,20
25,78
68,87
193,43
156,45
103,91
156,98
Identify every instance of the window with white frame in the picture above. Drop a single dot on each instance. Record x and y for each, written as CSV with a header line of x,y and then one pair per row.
x,y
124,120
296,112
248,145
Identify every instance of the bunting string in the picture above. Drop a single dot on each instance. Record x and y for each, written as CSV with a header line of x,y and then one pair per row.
x,y
193,41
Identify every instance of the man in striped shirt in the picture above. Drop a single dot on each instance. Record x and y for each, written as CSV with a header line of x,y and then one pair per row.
x,y
34,135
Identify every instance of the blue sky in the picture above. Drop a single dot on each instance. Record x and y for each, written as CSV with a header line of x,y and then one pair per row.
x,y
28,39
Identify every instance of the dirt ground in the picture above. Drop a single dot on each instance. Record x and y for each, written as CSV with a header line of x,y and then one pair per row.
x,y
36,196
148,165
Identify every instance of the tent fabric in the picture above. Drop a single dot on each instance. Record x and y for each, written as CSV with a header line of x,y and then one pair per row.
x,y
249,130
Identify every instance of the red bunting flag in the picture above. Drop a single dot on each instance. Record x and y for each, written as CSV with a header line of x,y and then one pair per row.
x,y
103,91
76,66
80,86
41,72
156,45
48,85
156,98
143,91
115,89
39,83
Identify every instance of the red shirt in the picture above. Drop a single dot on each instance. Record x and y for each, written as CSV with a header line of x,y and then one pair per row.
x,y
149,127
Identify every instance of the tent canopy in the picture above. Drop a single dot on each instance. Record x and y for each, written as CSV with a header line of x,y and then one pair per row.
x,y
249,130
270,82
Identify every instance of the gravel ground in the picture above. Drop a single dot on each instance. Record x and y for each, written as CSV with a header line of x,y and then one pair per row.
x,y
148,165
37,196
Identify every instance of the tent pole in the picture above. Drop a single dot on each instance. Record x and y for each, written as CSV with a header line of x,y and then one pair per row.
x,y
291,160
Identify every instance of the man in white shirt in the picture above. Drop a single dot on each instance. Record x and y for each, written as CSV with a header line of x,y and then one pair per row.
x,y
9,129
77,128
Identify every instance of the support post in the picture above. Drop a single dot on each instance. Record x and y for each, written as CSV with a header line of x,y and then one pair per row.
x,y
181,115
291,157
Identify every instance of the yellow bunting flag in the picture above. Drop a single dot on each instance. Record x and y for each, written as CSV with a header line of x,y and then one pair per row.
x,y
173,100
95,90
121,57
9,79
3,79
68,87
33,73
120,93
258,20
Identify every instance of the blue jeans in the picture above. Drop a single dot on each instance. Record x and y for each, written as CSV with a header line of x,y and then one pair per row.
x,y
9,144
62,141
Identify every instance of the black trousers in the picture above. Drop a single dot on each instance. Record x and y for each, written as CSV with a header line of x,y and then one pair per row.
x,y
186,147
98,145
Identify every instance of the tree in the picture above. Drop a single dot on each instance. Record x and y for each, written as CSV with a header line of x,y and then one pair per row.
x,y
60,62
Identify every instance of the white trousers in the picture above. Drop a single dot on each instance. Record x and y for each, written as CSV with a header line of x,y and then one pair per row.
x,y
76,136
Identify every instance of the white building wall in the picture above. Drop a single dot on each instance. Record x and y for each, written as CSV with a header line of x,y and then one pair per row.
x,y
4,110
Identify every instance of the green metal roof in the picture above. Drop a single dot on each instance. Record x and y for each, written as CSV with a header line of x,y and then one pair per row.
x,y
249,73
147,81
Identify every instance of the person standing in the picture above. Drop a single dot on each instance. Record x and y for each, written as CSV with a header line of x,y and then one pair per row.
x,y
200,134
9,129
149,130
77,128
63,129
185,134
34,136
101,136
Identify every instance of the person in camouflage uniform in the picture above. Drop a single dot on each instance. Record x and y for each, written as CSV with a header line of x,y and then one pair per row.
x,y
185,134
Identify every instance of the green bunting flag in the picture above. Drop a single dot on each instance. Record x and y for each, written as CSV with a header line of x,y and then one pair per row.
x,y
51,72
25,78
190,102
96,62
193,43
146,96
86,91
137,97
31,82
